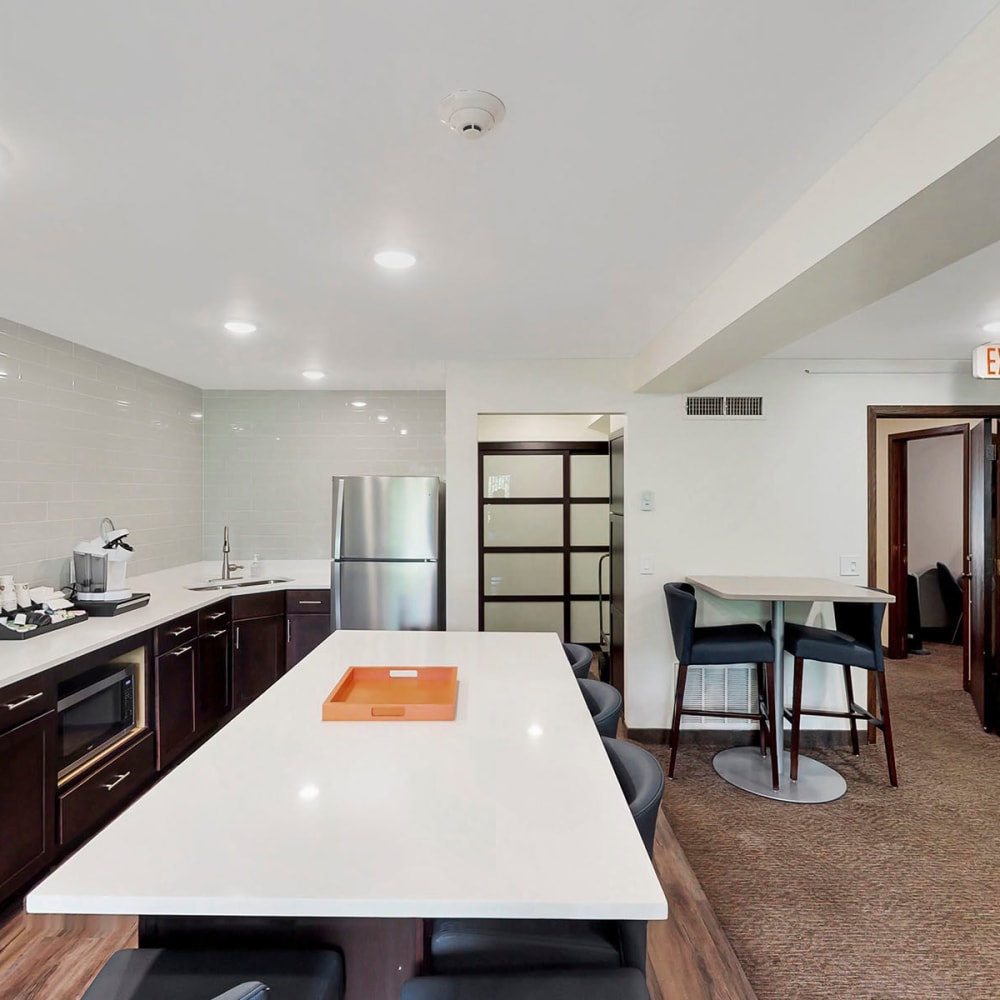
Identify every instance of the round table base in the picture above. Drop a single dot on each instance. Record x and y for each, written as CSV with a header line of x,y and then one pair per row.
x,y
745,768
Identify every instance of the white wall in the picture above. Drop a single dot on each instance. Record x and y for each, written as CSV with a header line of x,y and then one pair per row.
x,y
270,458
783,495
87,435
539,427
935,488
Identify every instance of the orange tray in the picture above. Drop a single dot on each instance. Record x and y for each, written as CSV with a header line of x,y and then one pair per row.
x,y
394,694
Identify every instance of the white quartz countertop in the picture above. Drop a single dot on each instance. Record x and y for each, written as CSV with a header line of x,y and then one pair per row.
x,y
169,598
510,810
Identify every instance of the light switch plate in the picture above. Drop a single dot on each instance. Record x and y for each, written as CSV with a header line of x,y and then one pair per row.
x,y
850,565
646,565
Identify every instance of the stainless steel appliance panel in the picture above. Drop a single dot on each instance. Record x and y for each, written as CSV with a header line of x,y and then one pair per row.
x,y
385,517
396,596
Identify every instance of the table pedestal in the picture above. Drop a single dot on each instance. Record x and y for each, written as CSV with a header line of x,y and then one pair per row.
x,y
745,768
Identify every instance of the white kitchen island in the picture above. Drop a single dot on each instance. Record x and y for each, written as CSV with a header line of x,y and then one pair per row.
x,y
497,813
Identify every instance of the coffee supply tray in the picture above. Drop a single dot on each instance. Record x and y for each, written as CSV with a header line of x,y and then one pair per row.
x,y
78,615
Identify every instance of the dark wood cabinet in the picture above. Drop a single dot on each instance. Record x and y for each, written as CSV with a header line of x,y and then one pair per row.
x,y
307,623
258,644
174,675
211,680
27,795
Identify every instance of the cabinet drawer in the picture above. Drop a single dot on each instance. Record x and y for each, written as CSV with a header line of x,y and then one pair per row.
x,y
111,787
248,606
26,699
307,602
173,633
215,617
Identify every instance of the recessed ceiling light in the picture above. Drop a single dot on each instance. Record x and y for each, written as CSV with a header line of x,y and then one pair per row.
x,y
395,260
993,327
403,430
197,416
313,374
382,418
241,326
358,404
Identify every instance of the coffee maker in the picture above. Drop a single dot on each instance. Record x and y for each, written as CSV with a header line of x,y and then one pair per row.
x,y
99,566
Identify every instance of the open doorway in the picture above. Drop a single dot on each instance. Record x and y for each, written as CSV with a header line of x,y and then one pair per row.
x,y
901,440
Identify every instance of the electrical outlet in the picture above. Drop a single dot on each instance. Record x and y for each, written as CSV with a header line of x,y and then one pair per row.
x,y
850,565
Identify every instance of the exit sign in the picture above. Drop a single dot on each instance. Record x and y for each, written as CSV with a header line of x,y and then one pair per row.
x,y
986,361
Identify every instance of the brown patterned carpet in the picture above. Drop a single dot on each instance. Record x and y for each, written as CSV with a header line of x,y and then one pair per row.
x,y
884,893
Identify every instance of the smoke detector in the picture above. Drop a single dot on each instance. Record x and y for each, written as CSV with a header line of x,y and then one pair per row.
x,y
471,113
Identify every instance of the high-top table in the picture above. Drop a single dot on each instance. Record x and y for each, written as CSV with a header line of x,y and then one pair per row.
x,y
283,820
743,766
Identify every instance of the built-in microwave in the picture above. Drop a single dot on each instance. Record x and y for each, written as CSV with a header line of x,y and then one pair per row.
x,y
96,710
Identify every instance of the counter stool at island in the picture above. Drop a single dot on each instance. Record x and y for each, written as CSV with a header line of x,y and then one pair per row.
x,y
180,974
719,645
856,642
570,984
605,705
580,658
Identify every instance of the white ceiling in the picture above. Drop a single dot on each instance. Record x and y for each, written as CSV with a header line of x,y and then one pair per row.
x,y
174,165
938,318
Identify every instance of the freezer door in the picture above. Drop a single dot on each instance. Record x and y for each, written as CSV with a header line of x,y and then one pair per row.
x,y
385,517
398,596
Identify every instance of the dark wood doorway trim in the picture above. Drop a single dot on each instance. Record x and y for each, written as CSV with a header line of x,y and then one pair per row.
x,y
898,527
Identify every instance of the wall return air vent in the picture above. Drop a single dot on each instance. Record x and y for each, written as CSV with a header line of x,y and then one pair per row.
x,y
724,406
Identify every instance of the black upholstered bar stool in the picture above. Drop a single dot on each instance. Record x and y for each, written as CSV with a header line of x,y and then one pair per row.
x,y
566,984
719,645
605,704
856,642
580,658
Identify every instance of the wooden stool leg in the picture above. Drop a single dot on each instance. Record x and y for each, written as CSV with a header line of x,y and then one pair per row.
x,y
675,729
890,753
772,727
762,730
849,688
793,771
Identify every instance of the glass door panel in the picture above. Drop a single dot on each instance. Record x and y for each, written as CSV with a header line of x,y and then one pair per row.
x,y
588,524
515,616
583,573
584,621
522,476
523,524
513,574
589,476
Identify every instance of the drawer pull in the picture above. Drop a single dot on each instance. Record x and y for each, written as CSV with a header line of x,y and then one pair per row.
x,y
310,602
180,652
119,778
180,631
23,701
215,635
218,614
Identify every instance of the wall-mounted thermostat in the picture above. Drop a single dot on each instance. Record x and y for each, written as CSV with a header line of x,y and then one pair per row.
x,y
647,500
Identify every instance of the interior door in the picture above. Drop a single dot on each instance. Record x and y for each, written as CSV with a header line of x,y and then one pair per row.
x,y
981,606
617,574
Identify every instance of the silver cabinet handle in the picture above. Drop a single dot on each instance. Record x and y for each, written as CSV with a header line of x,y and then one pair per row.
x,y
310,602
180,631
218,614
288,630
237,637
179,652
23,701
215,635
119,778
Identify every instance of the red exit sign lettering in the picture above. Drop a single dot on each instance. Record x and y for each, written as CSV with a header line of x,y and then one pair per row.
x,y
986,361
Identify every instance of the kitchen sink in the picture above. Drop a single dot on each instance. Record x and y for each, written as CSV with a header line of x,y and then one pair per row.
x,y
234,584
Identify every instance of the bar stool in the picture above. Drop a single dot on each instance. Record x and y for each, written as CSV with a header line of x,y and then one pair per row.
x,y
568,984
719,645
856,642
580,658
605,704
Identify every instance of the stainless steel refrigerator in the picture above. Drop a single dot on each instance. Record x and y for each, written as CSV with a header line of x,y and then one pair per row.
x,y
388,539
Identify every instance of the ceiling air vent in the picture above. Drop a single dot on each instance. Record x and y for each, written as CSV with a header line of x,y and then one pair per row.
x,y
724,406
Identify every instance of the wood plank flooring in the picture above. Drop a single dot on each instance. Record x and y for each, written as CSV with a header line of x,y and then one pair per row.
x,y
56,957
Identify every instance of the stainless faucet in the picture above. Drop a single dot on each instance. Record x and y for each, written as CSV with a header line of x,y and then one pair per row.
x,y
227,567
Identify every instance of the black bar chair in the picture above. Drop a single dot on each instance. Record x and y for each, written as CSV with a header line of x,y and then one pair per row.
x,y
580,658
605,705
569,984
856,642
719,645
951,598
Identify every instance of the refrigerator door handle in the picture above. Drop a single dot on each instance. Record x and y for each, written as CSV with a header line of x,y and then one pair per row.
x,y
335,595
338,517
